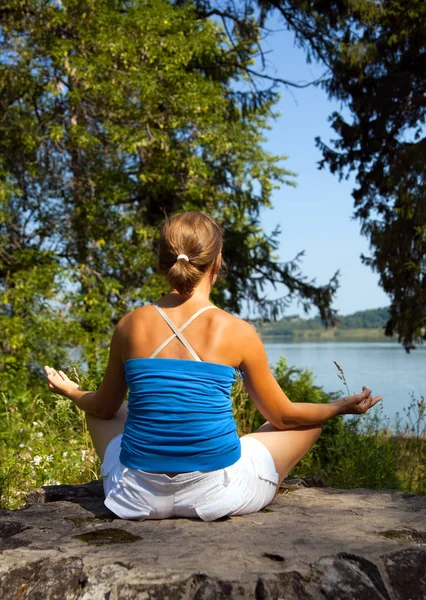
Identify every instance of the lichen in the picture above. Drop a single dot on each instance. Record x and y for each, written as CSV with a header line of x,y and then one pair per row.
x,y
107,537
81,521
85,521
286,490
411,535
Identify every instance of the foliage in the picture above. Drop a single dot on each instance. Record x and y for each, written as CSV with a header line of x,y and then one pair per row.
x,y
42,442
379,71
410,444
247,416
374,59
363,319
299,386
114,115
363,456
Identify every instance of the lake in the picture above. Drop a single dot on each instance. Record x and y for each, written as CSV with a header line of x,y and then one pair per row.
x,y
384,367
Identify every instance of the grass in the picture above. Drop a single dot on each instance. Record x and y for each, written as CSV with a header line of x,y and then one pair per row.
x,y
44,441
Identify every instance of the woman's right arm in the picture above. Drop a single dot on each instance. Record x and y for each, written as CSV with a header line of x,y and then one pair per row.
x,y
272,402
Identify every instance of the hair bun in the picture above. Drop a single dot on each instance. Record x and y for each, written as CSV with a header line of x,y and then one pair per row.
x,y
191,234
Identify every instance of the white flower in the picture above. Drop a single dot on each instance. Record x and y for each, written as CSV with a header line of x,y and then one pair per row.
x,y
22,445
35,423
37,460
40,434
83,454
49,458
64,454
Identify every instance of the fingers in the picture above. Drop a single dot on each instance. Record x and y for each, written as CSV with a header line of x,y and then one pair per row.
x,y
366,399
375,400
50,372
64,377
365,395
363,401
53,377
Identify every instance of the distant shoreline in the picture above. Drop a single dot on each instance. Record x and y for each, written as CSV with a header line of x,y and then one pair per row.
x,y
327,335
362,326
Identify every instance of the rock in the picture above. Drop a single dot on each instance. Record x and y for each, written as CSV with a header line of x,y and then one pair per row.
x,y
407,573
314,542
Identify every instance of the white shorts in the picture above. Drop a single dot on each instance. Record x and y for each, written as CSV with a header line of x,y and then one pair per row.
x,y
245,487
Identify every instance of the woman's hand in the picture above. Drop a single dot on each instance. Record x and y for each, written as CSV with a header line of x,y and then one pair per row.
x,y
59,383
358,404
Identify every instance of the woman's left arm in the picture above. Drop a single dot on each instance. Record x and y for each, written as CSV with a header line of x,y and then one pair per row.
x,y
105,402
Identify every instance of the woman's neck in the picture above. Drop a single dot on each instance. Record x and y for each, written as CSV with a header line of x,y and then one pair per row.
x,y
200,296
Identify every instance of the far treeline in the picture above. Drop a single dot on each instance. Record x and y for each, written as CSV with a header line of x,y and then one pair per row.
x,y
364,324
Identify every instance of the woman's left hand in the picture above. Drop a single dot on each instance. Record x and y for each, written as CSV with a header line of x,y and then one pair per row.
x,y
59,383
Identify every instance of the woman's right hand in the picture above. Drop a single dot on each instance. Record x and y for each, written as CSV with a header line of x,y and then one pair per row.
x,y
358,404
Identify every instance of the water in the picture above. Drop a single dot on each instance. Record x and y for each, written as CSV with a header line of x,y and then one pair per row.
x,y
383,367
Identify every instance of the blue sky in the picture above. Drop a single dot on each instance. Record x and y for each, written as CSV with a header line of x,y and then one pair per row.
x,y
316,216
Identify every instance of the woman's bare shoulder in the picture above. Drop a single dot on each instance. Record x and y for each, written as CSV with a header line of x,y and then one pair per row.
x,y
238,327
134,317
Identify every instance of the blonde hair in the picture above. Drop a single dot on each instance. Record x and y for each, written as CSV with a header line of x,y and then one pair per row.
x,y
195,235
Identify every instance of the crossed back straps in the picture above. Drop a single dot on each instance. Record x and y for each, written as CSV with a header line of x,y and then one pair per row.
x,y
177,332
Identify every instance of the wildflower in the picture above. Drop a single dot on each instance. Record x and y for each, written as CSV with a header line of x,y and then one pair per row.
x,y
35,423
49,458
40,434
22,445
64,454
37,460
83,455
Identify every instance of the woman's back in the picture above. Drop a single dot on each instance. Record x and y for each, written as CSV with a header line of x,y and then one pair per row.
x,y
180,410
215,335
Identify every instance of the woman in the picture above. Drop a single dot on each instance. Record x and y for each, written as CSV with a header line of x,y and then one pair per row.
x,y
174,450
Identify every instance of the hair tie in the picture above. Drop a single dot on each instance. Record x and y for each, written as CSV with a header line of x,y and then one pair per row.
x,y
182,256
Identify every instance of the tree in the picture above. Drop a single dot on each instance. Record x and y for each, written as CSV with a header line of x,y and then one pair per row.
x,y
374,54
114,115
379,71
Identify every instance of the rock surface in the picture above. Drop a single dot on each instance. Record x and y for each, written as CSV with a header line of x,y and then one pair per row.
x,y
311,542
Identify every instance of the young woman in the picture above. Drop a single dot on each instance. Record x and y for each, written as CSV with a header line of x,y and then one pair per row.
x,y
173,450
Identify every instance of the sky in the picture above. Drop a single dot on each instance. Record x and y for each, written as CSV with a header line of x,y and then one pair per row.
x,y
316,216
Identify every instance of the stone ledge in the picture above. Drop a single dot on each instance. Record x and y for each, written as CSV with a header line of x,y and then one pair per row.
x,y
311,542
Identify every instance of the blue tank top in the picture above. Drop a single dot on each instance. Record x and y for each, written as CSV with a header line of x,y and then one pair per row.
x,y
180,414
